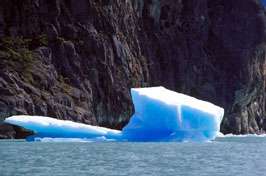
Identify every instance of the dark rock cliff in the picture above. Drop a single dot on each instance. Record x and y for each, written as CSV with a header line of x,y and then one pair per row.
x,y
77,60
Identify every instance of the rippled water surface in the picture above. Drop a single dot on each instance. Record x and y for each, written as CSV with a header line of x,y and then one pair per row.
x,y
225,156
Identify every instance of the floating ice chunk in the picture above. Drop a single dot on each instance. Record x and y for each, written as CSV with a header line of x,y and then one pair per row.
x,y
162,115
53,128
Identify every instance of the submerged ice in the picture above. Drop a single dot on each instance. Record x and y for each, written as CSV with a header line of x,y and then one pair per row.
x,y
160,115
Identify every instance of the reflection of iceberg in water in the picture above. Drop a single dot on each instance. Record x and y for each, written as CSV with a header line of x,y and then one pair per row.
x,y
160,115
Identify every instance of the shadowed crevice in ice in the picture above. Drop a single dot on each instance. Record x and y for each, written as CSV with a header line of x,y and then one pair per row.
x,y
263,2
160,115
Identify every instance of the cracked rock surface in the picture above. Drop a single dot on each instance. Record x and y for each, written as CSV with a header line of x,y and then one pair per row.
x,y
77,60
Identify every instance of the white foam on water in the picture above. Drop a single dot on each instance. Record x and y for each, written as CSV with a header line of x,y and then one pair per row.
x,y
241,135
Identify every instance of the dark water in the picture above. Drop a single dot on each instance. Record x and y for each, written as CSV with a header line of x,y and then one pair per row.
x,y
226,156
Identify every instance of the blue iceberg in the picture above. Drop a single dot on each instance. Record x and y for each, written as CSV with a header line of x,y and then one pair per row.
x,y
160,115
164,115
47,127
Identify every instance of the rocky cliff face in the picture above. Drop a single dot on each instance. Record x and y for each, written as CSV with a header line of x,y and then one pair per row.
x,y
77,60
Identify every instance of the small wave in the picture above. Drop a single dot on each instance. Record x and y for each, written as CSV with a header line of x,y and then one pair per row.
x,y
61,140
221,135
47,139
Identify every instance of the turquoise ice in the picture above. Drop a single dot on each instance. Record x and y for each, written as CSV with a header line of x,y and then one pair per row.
x,y
164,115
160,115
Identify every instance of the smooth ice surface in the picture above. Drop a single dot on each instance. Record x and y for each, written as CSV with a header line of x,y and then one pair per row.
x,y
160,115
54,128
